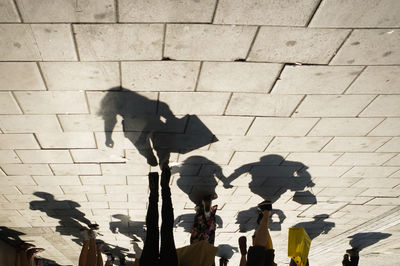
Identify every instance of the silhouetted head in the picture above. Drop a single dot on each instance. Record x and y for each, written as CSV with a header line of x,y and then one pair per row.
x,y
44,195
272,159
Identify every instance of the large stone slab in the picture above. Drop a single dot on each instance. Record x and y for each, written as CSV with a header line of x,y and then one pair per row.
x,y
66,140
370,47
29,123
76,169
80,75
292,45
26,169
344,126
389,127
364,159
8,12
311,158
119,41
262,104
67,11
200,103
357,14
97,156
391,146
57,180
166,11
160,76
44,156
18,43
332,105
315,79
52,102
276,126
240,143
265,12
18,141
377,80
355,144
8,104
383,106
85,123
8,156
297,144
371,171
54,41
238,77
224,43
11,73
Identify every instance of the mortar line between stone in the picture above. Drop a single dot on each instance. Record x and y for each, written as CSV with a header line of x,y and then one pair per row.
x,y
334,161
329,141
316,123
313,13
75,42
230,159
363,109
17,102
383,164
215,11
298,105
120,73
390,138
367,135
269,144
252,42
59,122
354,80
42,75
250,125
340,46
163,41
116,11
18,11
38,142
278,77
227,104
198,76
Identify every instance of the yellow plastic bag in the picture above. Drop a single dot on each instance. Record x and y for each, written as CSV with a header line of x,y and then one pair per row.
x,y
299,245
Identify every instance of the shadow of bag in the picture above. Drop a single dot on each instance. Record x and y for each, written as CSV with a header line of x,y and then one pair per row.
x,y
304,197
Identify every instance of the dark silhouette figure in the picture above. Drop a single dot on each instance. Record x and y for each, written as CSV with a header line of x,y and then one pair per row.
x,y
186,221
271,179
201,183
247,221
127,227
226,251
318,226
11,236
150,125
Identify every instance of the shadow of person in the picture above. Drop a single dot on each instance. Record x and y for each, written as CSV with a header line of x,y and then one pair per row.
x,y
272,176
197,178
361,241
11,236
70,218
151,125
186,221
247,219
131,229
318,226
226,251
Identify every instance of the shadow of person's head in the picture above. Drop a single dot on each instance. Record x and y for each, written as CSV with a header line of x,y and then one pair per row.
x,y
361,241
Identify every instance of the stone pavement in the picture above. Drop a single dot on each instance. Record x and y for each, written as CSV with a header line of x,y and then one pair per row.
x,y
297,101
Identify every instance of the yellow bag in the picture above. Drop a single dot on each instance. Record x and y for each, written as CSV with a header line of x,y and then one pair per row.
x,y
299,245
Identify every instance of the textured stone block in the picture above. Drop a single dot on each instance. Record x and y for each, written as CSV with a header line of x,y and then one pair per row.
x,y
240,143
395,161
297,144
222,125
363,159
119,42
332,105
18,141
371,171
97,156
16,180
57,180
52,102
315,79
257,12
238,77
293,45
8,12
8,104
224,43
327,171
83,189
11,73
355,144
104,180
383,106
105,197
262,104
313,158
125,169
8,156
9,190
18,43
199,103
357,14
54,41
370,47
341,191
125,103
276,126
85,123
160,75
379,192
29,123
334,182
116,189
377,183
389,127
44,156
391,146
344,126
76,169
80,75
377,80
67,11
256,158
66,140
26,169
166,11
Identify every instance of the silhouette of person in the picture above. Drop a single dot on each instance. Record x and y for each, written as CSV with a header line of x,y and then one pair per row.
x,y
318,226
127,227
150,125
270,180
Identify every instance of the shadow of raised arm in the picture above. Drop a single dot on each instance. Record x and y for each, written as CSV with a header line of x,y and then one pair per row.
x,y
238,172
